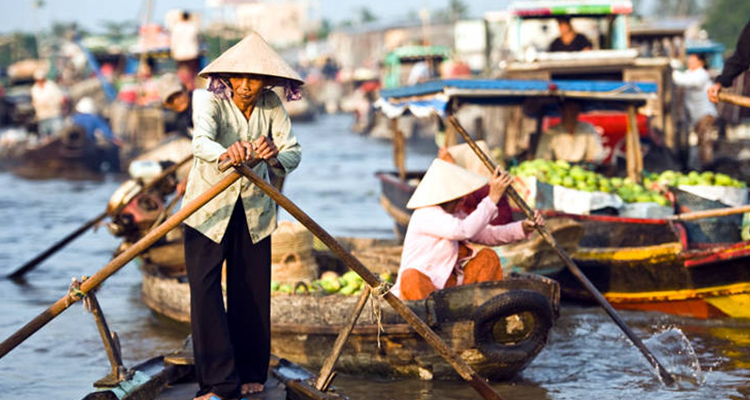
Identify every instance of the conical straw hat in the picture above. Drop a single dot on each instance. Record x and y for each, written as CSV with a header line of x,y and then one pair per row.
x,y
465,157
252,55
444,182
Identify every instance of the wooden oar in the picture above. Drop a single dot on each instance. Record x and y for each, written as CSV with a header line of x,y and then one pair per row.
x,y
716,212
115,265
459,364
663,373
18,274
735,99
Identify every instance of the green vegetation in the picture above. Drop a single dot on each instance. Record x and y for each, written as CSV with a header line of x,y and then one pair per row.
x,y
561,173
725,20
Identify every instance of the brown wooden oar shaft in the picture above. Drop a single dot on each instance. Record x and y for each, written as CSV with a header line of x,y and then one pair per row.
x,y
31,264
116,263
326,371
458,363
663,373
735,99
716,212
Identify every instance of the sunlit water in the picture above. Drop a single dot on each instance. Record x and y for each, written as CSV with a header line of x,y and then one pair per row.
x,y
587,356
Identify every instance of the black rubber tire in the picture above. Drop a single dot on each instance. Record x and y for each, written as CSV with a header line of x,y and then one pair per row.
x,y
504,305
73,137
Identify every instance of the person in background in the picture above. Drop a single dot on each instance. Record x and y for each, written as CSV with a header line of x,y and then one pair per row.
x,y
569,39
176,97
734,65
571,140
185,49
47,100
237,119
436,253
696,81
98,131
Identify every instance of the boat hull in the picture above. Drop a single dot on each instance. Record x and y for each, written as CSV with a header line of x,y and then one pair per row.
x,y
650,265
304,327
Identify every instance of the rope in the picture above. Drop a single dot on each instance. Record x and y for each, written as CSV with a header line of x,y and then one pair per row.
x,y
75,293
376,294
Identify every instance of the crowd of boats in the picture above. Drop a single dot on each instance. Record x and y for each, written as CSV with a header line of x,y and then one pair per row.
x,y
687,256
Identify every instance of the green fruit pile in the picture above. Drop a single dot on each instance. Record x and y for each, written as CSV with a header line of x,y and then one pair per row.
x,y
694,178
349,284
561,173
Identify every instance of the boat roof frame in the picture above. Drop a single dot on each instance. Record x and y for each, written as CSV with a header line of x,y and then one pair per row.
x,y
442,93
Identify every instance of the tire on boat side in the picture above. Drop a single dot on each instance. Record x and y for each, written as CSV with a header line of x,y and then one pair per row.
x,y
507,304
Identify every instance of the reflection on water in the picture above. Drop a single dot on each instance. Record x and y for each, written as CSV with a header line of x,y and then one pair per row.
x,y
587,356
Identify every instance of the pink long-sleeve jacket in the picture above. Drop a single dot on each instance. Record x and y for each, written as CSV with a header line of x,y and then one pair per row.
x,y
433,236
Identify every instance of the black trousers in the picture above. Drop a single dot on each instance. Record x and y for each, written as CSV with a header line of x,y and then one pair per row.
x,y
230,347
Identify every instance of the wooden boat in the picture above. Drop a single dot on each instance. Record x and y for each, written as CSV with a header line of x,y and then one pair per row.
x,y
649,264
69,155
497,327
159,379
305,326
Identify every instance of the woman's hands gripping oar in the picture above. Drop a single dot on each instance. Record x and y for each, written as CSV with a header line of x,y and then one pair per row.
x,y
18,274
665,376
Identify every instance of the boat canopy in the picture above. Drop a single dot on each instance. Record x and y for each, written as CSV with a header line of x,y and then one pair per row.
x,y
434,97
572,8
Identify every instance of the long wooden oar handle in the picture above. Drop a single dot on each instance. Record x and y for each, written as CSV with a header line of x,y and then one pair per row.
x,y
663,373
717,212
31,264
458,363
116,263
735,99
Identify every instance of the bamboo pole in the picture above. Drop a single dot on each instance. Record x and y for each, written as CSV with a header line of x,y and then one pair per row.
x,y
633,153
326,371
663,373
113,266
735,99
31,264
717,212
459,364
399,149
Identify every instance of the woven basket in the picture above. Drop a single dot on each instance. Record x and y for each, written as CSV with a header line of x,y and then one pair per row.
x,y
294,268
292,259
290,237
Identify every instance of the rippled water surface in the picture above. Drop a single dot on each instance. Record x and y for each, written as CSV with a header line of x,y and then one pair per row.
x,y
587,356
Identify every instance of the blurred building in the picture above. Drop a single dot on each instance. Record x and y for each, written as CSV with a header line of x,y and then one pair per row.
x,y
281,23
366,45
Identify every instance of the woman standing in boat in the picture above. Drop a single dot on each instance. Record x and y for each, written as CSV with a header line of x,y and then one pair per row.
x,y
436,254
239,118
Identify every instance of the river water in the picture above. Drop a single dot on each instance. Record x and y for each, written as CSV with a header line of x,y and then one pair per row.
x,y
587,356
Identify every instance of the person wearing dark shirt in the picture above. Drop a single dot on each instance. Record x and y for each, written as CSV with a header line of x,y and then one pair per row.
x,y
569,39
735,65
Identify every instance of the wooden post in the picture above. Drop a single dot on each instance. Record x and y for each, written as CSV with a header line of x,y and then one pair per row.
x,y
459,364
666,377
399,149
325,375
118,262
118,373
633,153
